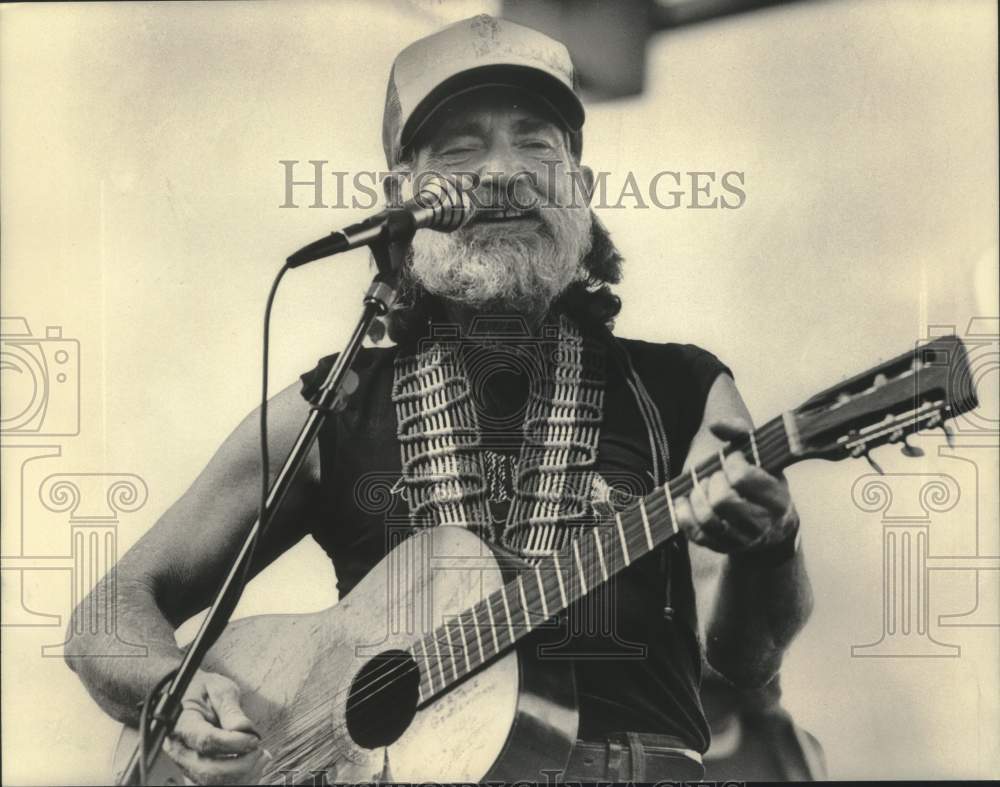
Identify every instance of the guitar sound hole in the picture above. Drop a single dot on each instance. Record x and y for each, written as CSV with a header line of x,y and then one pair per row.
x,y
383,699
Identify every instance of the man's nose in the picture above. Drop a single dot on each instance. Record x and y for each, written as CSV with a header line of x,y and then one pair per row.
x,y
498,176
492,189
499,160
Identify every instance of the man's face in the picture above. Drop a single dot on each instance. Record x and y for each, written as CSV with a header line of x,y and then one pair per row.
x,y
531,231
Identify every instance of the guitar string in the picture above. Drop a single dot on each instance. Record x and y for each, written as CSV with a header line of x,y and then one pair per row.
x,y
383,681
710,466
307,746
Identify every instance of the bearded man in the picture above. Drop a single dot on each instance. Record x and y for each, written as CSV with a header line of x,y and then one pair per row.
x,y
506,405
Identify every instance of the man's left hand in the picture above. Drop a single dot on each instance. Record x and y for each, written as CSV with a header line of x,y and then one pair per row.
x,y
740,508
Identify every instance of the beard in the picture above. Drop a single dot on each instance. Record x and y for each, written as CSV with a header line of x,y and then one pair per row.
x,y
518,266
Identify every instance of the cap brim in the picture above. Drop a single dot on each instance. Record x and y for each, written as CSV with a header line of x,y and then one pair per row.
x,y
554,95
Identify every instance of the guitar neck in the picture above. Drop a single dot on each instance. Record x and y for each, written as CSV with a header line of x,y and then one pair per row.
x,y
540,592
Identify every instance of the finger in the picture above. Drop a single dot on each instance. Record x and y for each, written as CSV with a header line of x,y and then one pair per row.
x,y
196,699
712,531
760,487
751,481
195,732
727,510
735,465
705,539
723,499
225,698
730,505
730,428
748,518
213,770
700,506
686,521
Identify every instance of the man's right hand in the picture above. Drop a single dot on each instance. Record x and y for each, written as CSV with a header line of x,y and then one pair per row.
x,y
213,741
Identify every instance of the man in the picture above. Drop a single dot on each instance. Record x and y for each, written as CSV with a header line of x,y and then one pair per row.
x,y
525,283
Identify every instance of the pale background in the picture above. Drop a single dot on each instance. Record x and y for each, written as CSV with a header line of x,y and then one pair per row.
x,y
140,147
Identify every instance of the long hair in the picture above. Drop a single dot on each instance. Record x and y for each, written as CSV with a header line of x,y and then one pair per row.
x,y
590,301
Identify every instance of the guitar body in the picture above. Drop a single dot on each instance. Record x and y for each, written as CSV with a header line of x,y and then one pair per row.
x,y
309,688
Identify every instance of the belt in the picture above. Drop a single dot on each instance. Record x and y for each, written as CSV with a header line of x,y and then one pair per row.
x,y
634,756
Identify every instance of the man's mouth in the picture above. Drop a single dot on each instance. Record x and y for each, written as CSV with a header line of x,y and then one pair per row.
x,y
503,214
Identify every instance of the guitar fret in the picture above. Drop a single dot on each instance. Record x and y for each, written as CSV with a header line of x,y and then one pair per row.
x,y
695,479
437,652
506,609
427,662
579,565
479,638
621,536
541,592
645,523
670,506
562,587
465,643
493,626
524,601
451,650
600,554
791,433
756,453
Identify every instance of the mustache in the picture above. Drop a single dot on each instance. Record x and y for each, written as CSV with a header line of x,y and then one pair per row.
x,y
551,222
516,193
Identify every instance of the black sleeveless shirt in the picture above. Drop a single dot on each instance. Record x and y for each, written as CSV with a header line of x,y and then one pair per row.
x,y
634,648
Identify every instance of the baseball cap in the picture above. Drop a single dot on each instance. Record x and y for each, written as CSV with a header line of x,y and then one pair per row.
x,y
482,51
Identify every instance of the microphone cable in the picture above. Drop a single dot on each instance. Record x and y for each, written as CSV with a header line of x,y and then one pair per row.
x,y
236,590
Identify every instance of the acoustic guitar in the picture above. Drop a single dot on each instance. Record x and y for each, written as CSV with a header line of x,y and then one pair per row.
x,y
424,671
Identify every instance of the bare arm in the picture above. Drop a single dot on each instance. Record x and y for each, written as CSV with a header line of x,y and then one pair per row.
x,y
174,570
753,592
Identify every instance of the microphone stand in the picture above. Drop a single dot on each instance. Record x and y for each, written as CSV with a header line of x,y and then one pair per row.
x,y
389,249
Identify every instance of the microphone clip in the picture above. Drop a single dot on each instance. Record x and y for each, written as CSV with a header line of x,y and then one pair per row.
x,y
390,247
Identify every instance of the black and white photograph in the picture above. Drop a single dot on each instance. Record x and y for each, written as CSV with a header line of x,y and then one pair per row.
x,y
499,391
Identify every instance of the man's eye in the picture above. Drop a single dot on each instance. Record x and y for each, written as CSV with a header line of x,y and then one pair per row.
x,y
457,150
537,144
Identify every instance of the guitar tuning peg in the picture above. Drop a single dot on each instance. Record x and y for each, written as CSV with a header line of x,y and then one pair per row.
x,y
911,450
875,465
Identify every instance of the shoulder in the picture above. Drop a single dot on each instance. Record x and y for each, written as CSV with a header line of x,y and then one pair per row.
x,y
666,361
370,363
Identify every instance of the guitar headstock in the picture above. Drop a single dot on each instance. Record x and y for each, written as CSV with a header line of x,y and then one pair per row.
x,y
918,390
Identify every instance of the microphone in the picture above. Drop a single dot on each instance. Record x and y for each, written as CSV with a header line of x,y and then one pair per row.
x,y
439,205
